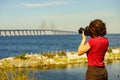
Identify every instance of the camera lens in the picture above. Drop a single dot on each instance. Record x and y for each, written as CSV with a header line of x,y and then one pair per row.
x,y
86,31
80,30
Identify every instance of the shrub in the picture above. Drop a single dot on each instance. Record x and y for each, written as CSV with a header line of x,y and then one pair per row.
x,y
21,56
14,74
62,53
109,50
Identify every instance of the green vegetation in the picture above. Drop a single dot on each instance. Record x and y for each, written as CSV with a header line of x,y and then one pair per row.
x,y
53,54
6,63
9,67
52,58
14,74
109,50
21,56
59,59
49,54
62,53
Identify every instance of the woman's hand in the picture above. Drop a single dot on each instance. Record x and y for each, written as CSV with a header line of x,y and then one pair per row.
x,y
83,35
83,47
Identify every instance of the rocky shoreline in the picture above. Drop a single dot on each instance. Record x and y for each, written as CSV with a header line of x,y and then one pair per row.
x,y
53,59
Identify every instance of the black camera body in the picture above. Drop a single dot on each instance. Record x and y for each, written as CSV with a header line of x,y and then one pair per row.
x,y
86,31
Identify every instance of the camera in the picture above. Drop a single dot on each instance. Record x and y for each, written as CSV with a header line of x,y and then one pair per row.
x,y
86,31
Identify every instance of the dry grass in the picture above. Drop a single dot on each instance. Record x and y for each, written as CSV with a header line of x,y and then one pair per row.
x,y
14,74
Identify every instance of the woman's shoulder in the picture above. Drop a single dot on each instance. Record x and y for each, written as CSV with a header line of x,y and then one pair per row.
x,y
97,39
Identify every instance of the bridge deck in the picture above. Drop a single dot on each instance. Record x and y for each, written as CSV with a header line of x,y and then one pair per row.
x,y
32,32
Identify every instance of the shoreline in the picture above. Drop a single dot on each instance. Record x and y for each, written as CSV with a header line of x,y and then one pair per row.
x,y
54,59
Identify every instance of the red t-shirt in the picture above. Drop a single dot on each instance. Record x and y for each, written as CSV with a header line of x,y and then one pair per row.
x,y
95,55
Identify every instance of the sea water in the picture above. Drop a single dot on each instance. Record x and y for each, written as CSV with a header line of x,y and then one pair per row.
x,y
15,45
75,73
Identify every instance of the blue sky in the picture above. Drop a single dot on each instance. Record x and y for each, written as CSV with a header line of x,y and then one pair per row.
x,y
65,14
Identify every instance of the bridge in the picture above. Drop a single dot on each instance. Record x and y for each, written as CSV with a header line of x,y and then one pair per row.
x,y
43,29
34,32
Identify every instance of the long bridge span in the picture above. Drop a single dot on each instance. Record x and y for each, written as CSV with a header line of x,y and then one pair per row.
x,y
34,32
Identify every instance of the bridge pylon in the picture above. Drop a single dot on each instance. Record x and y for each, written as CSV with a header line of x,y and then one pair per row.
x,y
52,26
43,24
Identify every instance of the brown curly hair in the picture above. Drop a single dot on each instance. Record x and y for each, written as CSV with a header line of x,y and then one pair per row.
x,y
97,28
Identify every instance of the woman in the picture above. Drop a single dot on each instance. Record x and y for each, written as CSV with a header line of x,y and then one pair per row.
x,y
95,48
